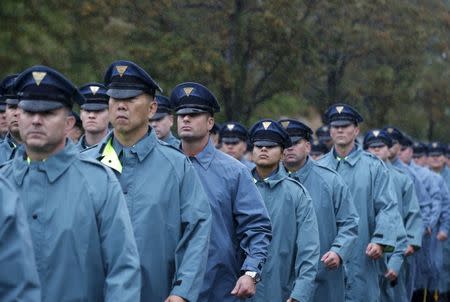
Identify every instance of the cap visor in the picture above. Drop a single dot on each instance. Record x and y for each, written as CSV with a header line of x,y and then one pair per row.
x,y
190,110
295,139
376,144
2,107
124,93
435,153
12,101
230,140
338,123
157,116
39,105
94,106
265,143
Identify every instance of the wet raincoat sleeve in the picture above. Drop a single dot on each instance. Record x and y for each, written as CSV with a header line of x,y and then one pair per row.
x,y
123,278
192,250
19,279
413,221
396,259
385,210
308,251
436,200
444,219
346,220
253,229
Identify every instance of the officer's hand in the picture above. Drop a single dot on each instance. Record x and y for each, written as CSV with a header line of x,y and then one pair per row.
x,y
409,250
245,287
291,300
442,236
391,275
174,298
331,260
374,250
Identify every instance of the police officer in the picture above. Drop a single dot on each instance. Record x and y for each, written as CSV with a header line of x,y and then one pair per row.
x,y
333,206
19,280
77,131
82,236
318,149
440,231
241,229
394,286
12,139
162,121
437,162
294,252
94,114
368,180
323,135
168,208
426,264
233,137
3,122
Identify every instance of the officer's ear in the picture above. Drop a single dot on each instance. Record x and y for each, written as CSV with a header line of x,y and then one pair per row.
x,y
153,106
70,123
356,129
210,121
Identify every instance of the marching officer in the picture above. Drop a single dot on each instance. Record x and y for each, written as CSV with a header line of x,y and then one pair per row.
x,y
233,137
168,207
241,229
82,236
291,268
162,121
368,180
94,114
332,203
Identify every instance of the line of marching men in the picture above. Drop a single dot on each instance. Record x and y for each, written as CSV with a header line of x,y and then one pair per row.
x,y
131,213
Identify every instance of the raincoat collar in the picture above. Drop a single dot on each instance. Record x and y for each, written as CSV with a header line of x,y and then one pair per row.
x,y
302,174
273,179
54,166
352,158
206,156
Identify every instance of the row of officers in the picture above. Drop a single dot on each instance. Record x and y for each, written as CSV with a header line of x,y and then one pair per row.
x,y
131,213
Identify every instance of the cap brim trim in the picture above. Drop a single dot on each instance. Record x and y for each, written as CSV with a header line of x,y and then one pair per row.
x,y
230,140
40,105
158,115
265,143
12,101
376,144
338,123
124,93
190,110
94,106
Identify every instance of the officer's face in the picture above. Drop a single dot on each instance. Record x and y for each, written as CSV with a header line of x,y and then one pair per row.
x,y
406,154
45,132
394,150
162,126
344,135
436,162
421,160
381,152
12,118
297,153
267,157
3,123
94,121
236,150
194,127
130,116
